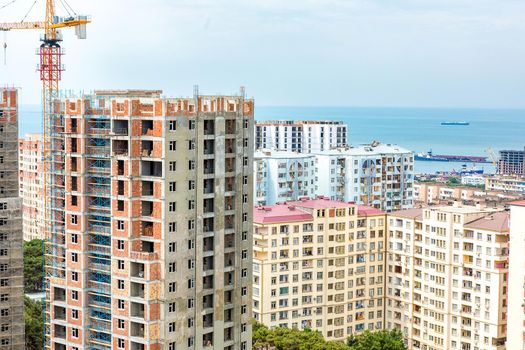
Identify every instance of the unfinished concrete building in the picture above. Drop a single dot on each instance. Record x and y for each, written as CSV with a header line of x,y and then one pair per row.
x,y
156,246
11,261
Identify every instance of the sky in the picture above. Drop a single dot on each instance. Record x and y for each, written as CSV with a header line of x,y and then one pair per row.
x,y
378,53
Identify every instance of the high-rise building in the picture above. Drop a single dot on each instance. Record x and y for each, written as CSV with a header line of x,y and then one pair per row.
x,y
511,162
377,175
282,176
319,264
11,249
447,277
32,186
154,250
305,136
509,184
516,285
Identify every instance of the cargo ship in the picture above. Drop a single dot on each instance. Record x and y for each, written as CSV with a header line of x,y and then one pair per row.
x,y
429,156
455,123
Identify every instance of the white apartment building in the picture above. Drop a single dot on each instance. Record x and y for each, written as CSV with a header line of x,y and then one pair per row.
x,y
282,176
31,178
473,180
446,277
319,264
514,183
378,175
516,295
305,136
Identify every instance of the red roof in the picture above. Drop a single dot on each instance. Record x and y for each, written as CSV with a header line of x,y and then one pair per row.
x,y
320,203
279,213
415,213
518,203
363,210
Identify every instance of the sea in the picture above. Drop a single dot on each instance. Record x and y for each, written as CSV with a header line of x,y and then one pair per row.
x,y
417,129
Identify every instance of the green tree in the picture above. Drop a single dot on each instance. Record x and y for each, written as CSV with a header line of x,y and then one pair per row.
x,y
379,340
34,319
33,266
291,339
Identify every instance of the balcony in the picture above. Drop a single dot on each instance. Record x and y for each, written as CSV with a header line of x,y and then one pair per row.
x,y
151,168
209,147
147,188
120,127
137,310
60,331
137,270
209,127
209,166
207,301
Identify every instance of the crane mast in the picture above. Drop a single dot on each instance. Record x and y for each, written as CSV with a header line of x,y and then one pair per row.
x,y
50,68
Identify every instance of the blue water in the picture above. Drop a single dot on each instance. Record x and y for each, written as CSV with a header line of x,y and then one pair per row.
x,y
418,129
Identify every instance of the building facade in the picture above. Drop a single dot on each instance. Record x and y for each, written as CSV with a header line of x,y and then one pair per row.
x,y
11,247
516,285
301,136
282,176
377,175
511,162
446,277
319,264
32,186
152,242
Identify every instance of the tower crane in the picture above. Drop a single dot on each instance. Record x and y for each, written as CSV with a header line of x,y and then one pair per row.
x,y
493,157
51,68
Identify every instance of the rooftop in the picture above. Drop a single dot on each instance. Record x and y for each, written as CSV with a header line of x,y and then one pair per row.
x,y
320,202
518,203
363,210
375,148
279,213
498,222
415,213
299,122
129,93
272,153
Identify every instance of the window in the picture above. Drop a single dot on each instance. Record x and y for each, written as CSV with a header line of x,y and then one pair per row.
x,y
74,276
120,225
191,303
173,145
244,254
4,297
172,247
120,304
191,144
172,206
120,284
74,295
74,219
121,264
120,343
171,327
172,346
172,267
4,327
172,307
74,332
173,165
120,205
74,257
191,165
172,287
191,185
120,324
245,180
192,124
172,125
172,227
173,186
74,314
120,244
74,238
191,224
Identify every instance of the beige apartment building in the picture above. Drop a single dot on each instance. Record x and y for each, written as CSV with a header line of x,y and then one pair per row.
x,y
436,193
447,277
516,285
150,204
31,170
319,264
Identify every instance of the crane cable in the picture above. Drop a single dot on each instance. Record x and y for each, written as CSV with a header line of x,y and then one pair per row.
x,y
9,3
27,14
71,8
65,8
